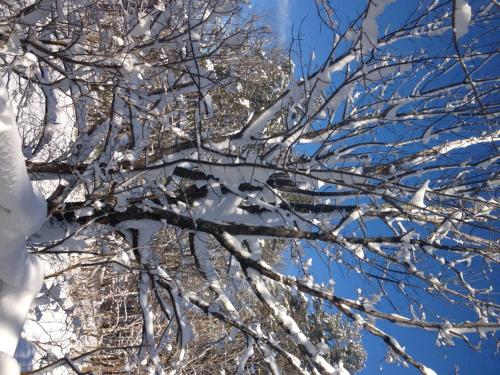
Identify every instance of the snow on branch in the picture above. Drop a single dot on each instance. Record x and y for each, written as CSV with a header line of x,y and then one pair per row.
x,y
213,193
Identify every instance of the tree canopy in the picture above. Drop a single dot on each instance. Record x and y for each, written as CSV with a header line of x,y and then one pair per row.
x,y
207,196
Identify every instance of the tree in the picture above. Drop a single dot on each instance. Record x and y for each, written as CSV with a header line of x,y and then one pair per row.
x,y
162,155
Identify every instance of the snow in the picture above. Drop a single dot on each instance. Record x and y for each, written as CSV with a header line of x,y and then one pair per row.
x,y
52,321
14,305
8,365
356,214
121,262
295,90
340,370
118,40
22,212
83,212
148,344
143,26
247,354
427,136
307,264
358,251
418,198
281,314
246,154
37,14
206,267
244,102
463,15
428,371
369,38
270,358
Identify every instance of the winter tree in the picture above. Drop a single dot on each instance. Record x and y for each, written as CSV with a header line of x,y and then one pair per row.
x,y
204,197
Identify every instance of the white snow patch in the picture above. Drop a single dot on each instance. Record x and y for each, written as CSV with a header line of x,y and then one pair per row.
x,y
245,102
428,371
369,38
418,198
22,212
463,15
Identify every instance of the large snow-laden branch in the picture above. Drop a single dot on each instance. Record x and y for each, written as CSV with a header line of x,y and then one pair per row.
x,y
22,212
247,260
261,268
199,248
318,80
255,334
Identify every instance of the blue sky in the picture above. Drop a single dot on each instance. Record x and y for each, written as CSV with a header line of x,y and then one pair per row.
x,y
284,16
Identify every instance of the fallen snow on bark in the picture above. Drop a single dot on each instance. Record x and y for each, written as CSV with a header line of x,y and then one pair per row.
x,y
281,314
418,198
463,15
356,214
49,329
341,369
428,371
247,354
8,365
370,27
22,212
206,267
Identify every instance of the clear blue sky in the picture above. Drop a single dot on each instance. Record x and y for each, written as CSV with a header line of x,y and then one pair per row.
x,y
283,16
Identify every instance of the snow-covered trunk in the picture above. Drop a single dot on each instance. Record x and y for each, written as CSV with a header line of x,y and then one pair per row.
x,y
22,212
